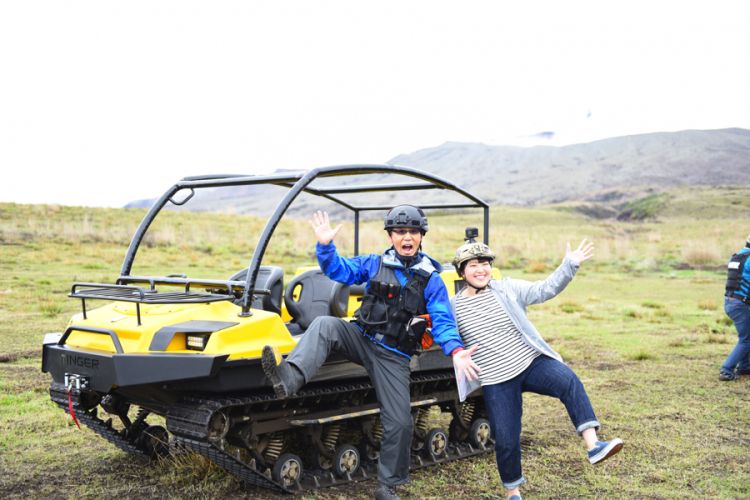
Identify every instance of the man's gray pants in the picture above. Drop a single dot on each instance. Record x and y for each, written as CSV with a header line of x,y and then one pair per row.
x,y
389,373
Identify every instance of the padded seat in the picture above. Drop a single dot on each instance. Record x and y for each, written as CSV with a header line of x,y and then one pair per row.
x,y
317,295
269,278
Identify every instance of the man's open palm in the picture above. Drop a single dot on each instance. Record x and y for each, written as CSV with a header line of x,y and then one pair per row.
x,y
322,226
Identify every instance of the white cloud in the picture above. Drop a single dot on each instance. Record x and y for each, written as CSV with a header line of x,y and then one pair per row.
x,y
102,103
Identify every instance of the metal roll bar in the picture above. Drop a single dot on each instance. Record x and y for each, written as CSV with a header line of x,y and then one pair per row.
x,y
298,182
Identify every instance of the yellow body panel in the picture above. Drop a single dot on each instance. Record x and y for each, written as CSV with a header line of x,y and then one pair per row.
x,y
285,316
243,340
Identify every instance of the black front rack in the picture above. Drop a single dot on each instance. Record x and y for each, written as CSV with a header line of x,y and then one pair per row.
x,y
139,295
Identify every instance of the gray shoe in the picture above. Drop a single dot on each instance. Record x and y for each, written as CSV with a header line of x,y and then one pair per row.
x,y
271,369
385,492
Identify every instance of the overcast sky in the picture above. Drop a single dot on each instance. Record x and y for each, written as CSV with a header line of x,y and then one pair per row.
x,y
104,102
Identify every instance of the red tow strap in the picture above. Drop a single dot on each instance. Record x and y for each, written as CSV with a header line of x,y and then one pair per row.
x,y
70,408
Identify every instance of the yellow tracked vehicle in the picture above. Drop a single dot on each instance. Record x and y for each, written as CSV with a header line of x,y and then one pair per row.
x,y
189,350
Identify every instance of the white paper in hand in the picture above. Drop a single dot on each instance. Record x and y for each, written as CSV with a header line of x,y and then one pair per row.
x,y
465,386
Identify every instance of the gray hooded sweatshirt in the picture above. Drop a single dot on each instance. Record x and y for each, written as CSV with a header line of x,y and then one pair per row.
x,y
515,295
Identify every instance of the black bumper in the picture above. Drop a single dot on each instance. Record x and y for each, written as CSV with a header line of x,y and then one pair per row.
x,y
107,370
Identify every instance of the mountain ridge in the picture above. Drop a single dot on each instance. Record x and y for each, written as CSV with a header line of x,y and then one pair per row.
x,y
552,174
609,172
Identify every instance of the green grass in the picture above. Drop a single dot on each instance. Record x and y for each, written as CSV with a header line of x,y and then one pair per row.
x,y
642,327
646,208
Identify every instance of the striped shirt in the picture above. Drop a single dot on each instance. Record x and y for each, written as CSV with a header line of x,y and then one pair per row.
x,y
502,353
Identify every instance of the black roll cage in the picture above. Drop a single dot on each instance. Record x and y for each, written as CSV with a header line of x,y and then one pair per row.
x,y
297,183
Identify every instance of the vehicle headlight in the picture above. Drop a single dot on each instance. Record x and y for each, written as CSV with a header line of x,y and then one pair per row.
x,y
196,342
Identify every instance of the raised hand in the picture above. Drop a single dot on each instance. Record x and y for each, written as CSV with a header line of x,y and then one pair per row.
x,y
322,227
581,254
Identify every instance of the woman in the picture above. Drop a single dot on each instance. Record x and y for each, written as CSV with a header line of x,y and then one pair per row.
x,y
513,358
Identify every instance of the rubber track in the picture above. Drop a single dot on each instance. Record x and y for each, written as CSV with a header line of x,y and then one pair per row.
x,y
189,420
231,464
190,417
106,431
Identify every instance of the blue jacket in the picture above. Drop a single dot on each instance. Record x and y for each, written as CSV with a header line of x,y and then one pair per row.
x,y
744,289
360,269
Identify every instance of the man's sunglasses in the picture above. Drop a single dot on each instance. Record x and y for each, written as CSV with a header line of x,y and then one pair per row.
x,y
403,232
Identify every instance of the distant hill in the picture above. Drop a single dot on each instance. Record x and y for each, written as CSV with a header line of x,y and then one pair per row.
x,y
591,171
608,173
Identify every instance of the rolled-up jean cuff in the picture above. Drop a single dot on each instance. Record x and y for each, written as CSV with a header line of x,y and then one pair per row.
x,y
515,484
588,425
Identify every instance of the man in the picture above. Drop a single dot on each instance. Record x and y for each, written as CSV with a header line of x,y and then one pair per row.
x,y
737,307
400,284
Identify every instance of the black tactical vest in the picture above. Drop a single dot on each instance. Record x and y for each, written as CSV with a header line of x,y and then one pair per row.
x,y
388,309
736,283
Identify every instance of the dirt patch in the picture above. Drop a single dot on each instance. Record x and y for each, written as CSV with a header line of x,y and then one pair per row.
x,y
15,356
615,384
23,378
606,366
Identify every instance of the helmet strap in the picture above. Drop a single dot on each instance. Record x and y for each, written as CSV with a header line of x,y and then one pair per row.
x,y
475,288
407,261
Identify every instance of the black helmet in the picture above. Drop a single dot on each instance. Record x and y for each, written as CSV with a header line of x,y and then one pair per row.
x,y
406,216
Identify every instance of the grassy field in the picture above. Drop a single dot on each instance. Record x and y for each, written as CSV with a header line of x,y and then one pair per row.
x,y
642,325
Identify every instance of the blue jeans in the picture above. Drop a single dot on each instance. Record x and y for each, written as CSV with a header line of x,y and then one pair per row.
x,y
740,356
504,404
